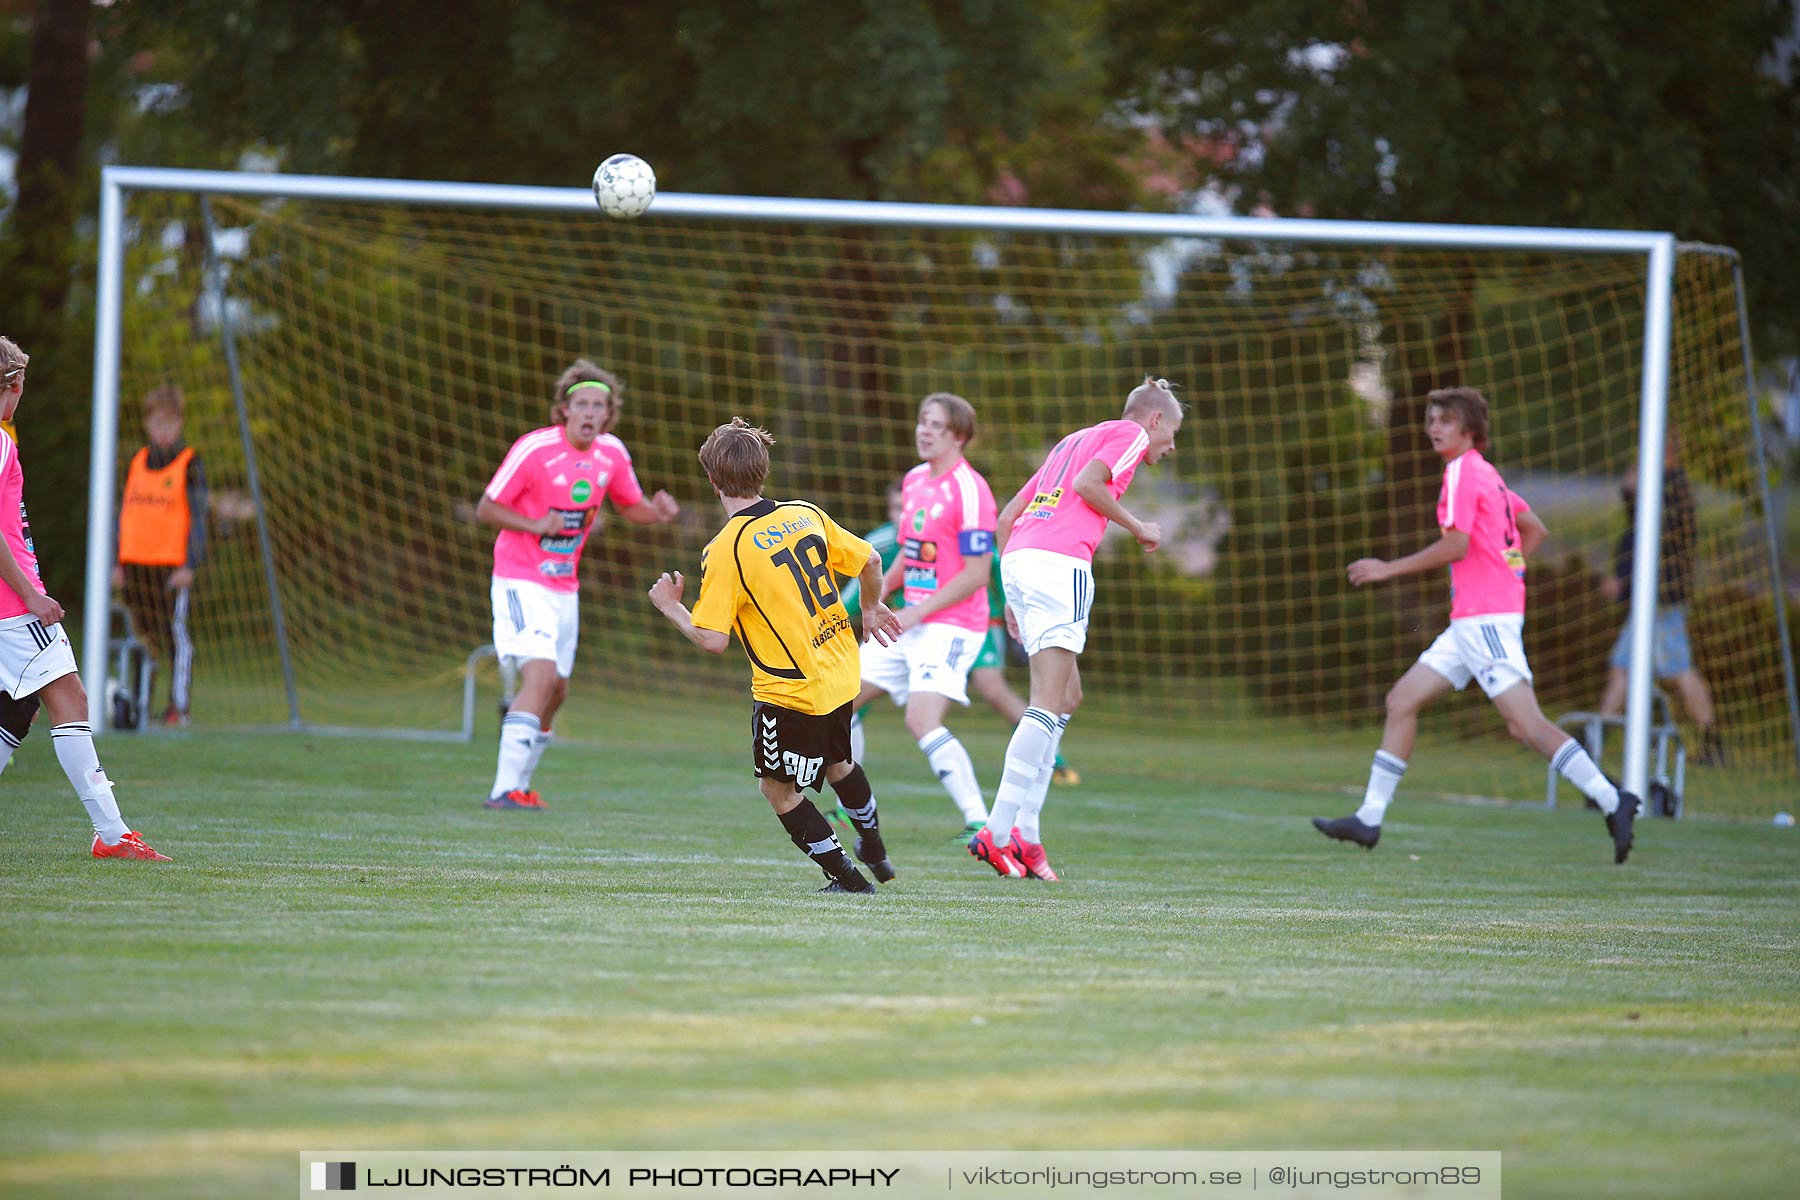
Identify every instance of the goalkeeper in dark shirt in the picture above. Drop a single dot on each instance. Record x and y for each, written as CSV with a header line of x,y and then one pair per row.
x,y
1673,656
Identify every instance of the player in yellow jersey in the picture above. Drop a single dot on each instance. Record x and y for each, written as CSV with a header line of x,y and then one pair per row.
x,y
769,577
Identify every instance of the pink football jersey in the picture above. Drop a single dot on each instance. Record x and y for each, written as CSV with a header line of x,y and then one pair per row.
x,y
15,525
543,473
941,520
1056,518
1490,579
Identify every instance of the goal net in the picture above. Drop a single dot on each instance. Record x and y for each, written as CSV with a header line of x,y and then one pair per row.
x,y
389,356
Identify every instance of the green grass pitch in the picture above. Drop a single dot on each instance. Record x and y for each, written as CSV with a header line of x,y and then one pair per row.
x,y
351,953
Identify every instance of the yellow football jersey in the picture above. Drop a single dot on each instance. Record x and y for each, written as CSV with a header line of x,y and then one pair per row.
x,y
770,576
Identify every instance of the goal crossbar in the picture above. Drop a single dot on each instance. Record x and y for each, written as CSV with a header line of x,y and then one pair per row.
x,y
1658,250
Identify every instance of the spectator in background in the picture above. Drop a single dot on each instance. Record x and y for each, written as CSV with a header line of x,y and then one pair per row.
x,y
1673,656
162,538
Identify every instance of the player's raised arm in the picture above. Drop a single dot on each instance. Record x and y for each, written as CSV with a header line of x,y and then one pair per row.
x,y
665,594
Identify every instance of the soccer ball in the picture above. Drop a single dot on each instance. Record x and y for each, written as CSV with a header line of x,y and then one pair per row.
x,y
624,186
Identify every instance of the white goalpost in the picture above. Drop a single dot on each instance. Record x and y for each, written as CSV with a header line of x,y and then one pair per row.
x,y
1657,251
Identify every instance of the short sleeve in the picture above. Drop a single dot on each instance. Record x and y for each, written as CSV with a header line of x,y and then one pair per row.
x,y
1123,447
623,488
847,553
1460,498
721,591
978,506
513,479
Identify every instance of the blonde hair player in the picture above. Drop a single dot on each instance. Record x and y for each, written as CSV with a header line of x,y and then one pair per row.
x,y
1048,534
36,662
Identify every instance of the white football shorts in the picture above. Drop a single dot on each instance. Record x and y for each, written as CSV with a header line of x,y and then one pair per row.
x,y
1488,649
32,654
531,621
933,657
1050,595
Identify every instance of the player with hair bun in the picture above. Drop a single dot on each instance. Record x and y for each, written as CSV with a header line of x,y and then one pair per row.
x,y
1048,534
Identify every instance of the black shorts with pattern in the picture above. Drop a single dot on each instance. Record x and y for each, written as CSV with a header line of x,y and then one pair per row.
x,y
798,746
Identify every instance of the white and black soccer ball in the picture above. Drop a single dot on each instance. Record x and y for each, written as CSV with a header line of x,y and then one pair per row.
x,y
624,186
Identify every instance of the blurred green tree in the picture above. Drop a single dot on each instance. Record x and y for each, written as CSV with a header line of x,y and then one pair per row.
x,y
1678,116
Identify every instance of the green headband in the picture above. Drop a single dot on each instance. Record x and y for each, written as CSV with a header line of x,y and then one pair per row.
x,y
576,387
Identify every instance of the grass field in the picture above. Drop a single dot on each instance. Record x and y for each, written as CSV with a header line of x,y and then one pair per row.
x,y
351,953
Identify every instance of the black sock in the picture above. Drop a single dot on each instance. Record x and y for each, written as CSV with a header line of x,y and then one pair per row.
x,y
858,799
811,832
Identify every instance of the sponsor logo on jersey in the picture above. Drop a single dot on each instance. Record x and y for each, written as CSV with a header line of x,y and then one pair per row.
x,y
919,551
771,536
559,480
836,622
556,570
581,491
1043,504
575,522
918,520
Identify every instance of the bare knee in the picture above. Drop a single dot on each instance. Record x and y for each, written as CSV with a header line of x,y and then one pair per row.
x,y
1399,705
65,699
780,794
920,724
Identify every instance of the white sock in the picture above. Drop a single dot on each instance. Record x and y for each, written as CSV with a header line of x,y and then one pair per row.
x,y
859,741
951,764
1025,756
1384,776
1033,805
74,744
8,743
1573,764
518,733
537,751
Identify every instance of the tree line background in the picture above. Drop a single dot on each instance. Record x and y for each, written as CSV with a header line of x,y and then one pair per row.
x,y
1676,116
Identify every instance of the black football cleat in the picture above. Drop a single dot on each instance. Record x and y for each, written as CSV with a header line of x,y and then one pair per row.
x,y
1349,829
1619,825
853,882
875,858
